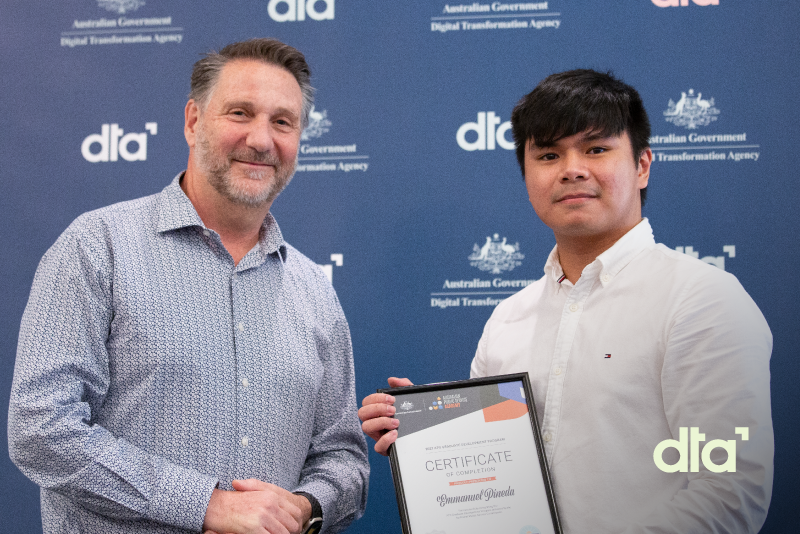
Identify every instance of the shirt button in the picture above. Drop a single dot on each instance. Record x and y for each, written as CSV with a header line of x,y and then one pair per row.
x,y
206,233
548,437
573,307
245,441
245,382
557,370
241,327
605,278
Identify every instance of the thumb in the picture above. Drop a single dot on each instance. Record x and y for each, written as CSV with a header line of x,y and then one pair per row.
x,y
399,382
251,484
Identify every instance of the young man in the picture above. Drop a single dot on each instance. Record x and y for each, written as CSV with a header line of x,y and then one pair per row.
x,y
175,345
627,343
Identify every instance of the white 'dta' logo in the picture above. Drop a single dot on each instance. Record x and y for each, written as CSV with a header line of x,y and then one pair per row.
x,y
691,111
488,137
115,143
318,124
298,9
120,6
495,255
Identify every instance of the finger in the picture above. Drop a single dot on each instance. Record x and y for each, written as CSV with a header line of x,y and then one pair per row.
x,y
382,445
375,428
251,484
371,411
377,398
282,520
282,499
399,382
279,491
274,526
271,512
292,509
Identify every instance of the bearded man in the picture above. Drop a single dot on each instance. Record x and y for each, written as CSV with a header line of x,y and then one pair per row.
x,y
180,366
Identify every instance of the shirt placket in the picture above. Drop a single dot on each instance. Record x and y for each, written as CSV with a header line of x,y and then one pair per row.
x,y
570,318
244,381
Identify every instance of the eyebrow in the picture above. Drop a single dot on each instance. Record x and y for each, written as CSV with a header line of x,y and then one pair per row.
x,y
249,105
584,139
289,112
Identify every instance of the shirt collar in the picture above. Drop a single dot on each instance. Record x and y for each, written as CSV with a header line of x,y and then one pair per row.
x,y
271,239
612,261
176,211
552,267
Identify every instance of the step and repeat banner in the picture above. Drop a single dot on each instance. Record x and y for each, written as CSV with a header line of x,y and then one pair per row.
x,y
407,190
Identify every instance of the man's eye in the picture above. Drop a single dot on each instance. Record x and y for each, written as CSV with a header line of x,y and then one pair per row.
x,y
597,150
285,124
547,157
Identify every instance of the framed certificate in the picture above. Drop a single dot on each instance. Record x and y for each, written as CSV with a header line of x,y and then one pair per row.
x,y
469,459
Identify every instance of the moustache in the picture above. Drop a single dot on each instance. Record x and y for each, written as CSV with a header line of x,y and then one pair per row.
x,y
254,156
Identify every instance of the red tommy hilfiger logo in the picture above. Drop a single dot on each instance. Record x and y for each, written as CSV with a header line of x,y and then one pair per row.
x,y
607,356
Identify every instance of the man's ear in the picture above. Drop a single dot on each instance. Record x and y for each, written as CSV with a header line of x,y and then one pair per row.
x,y
190,115
645,160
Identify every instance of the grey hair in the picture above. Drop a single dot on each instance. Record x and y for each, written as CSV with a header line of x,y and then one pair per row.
x,y
206,71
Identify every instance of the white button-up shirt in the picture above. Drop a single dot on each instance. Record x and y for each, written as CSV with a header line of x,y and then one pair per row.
x,y
646,342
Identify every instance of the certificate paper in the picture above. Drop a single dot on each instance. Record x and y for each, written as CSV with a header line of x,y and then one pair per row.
x,y
468,459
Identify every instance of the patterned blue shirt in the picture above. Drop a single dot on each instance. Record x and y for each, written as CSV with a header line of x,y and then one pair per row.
x,y
150,369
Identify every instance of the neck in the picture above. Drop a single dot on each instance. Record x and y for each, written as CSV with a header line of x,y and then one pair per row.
x,y
239,226
576,252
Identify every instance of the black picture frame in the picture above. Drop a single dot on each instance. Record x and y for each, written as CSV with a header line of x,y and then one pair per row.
x,y
394,462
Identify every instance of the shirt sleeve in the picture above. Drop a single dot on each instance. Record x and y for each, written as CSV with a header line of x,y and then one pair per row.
x,y
336,470
61,378
715,377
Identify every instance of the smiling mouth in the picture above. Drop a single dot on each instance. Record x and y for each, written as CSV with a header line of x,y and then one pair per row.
x,y
256,163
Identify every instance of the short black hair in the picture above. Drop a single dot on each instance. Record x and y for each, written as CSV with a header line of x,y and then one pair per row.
x,y
576,101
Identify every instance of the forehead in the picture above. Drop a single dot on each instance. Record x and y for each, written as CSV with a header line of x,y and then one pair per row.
x,y
256,82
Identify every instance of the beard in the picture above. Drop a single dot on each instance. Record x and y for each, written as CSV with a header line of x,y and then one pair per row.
x,y
217,167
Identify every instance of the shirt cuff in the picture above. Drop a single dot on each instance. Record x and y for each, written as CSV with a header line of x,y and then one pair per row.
x,y
181,497
325,497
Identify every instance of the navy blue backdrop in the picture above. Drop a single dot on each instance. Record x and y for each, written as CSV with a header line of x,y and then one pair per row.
x,y
406,170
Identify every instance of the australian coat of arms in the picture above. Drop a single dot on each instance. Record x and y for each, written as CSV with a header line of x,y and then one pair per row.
x,y
691,110
318,124
496,256
120,6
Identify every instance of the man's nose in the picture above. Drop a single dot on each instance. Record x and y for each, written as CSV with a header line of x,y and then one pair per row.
x,y
573,166
260,136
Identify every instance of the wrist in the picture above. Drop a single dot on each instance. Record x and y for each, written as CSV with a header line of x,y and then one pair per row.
x,y
215,510
305,506
311,510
